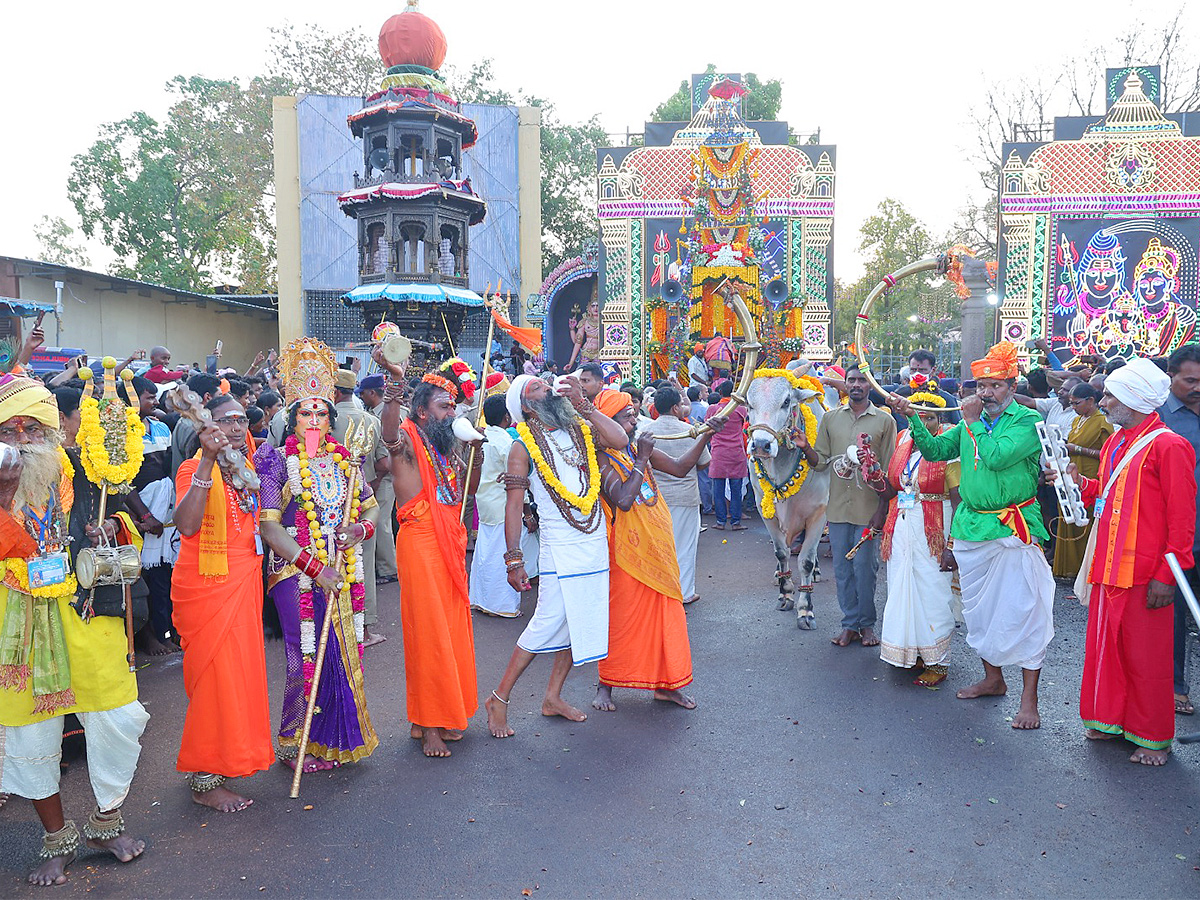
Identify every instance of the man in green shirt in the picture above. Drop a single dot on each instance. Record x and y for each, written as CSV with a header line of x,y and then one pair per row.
x,y
1007,585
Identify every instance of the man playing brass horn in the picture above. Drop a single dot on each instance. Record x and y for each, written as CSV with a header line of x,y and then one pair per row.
x,y
1007,587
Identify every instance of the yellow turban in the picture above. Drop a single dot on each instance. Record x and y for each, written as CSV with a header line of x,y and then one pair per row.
x,y
26,397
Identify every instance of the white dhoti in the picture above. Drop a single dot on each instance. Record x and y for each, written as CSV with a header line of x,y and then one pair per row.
x,y
490,590
572,606
1008,600
918,619
30,754
685,523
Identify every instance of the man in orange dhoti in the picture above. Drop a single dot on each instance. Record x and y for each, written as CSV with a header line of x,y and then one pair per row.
x,y
647,628
431,549
217,591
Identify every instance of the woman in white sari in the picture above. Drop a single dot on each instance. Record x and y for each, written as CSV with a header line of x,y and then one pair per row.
x,y
915,514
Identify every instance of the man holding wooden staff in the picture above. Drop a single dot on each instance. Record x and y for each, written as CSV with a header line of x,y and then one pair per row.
x,y
316,514
428,472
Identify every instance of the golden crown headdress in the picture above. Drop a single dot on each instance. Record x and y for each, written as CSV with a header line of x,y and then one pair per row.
x,y
308,368
1165,259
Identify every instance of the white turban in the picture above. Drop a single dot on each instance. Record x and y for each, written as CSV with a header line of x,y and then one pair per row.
x,y
1140,385
516,391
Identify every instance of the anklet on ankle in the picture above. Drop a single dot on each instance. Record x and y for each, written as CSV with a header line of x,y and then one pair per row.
x,y
104,826
63,842
498,697
201,783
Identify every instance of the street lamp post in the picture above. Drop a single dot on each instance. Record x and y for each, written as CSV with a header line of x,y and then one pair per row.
x,y
974,313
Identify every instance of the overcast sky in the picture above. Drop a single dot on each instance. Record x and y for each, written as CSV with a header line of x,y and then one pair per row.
x,y
891,84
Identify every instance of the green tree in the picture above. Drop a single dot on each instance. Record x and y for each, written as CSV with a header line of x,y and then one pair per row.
x,y
890,239
568,167
760,104
182,202
309,60
60,243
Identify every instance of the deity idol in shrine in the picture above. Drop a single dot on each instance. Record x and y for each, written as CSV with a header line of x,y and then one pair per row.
x,y
586,336
1169,324
316,511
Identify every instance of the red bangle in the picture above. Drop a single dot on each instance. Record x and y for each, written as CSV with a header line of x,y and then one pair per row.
x,y
368,529
309,564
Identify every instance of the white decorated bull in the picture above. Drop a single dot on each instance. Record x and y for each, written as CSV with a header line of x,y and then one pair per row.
x,y
791,496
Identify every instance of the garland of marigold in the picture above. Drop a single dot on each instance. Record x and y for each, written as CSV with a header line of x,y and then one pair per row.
x,y
585,503
16,569
94,451
309,537
772,492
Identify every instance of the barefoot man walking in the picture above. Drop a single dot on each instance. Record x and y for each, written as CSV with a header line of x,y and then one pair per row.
x,y
555,457
431,550
1007,586
1145,508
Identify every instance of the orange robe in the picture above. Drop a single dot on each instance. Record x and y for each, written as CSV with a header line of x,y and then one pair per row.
x,y
647,627
227,730
439,644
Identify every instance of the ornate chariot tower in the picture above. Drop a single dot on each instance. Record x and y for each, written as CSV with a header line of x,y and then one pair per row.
x,y
413,205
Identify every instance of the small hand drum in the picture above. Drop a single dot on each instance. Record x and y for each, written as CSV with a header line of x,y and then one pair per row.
x,y
96,566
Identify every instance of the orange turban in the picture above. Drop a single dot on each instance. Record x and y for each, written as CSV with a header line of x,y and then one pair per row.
x,y
612,402
1000,362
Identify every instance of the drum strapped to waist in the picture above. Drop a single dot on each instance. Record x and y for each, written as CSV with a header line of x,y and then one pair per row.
x,y
107,564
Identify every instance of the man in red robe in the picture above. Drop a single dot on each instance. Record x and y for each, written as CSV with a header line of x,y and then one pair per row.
x,y
1145,507
431,550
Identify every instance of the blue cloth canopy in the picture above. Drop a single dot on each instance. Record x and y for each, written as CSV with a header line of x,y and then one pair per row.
x,y
26,308
420,293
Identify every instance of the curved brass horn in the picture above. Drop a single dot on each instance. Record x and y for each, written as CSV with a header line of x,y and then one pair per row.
x,y
864,315
750,350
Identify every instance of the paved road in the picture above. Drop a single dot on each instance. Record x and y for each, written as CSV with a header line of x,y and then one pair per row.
x,y
807,770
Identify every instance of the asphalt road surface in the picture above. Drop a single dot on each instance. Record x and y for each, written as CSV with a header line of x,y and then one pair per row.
x,y
807,771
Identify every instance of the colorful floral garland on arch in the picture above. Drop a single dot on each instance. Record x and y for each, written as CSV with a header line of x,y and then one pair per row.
x,y
772,492
310,537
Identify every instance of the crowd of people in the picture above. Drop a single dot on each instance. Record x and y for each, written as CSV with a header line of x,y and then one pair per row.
x,y
584,496
970,526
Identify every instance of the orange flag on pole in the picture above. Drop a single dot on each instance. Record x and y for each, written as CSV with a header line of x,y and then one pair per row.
x,y
529,338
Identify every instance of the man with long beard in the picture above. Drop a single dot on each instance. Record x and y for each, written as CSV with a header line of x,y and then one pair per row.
x,y
431,550
51,662
555,458
1007,587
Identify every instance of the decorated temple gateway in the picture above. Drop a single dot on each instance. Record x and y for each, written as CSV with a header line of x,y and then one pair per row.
x,y
413,205
1100,228
710,202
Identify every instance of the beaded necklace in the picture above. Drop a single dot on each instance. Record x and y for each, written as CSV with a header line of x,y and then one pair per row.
x,y
586,524
447,481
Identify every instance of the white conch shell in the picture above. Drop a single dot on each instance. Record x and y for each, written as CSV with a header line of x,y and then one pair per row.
x,y
852,453
464,430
